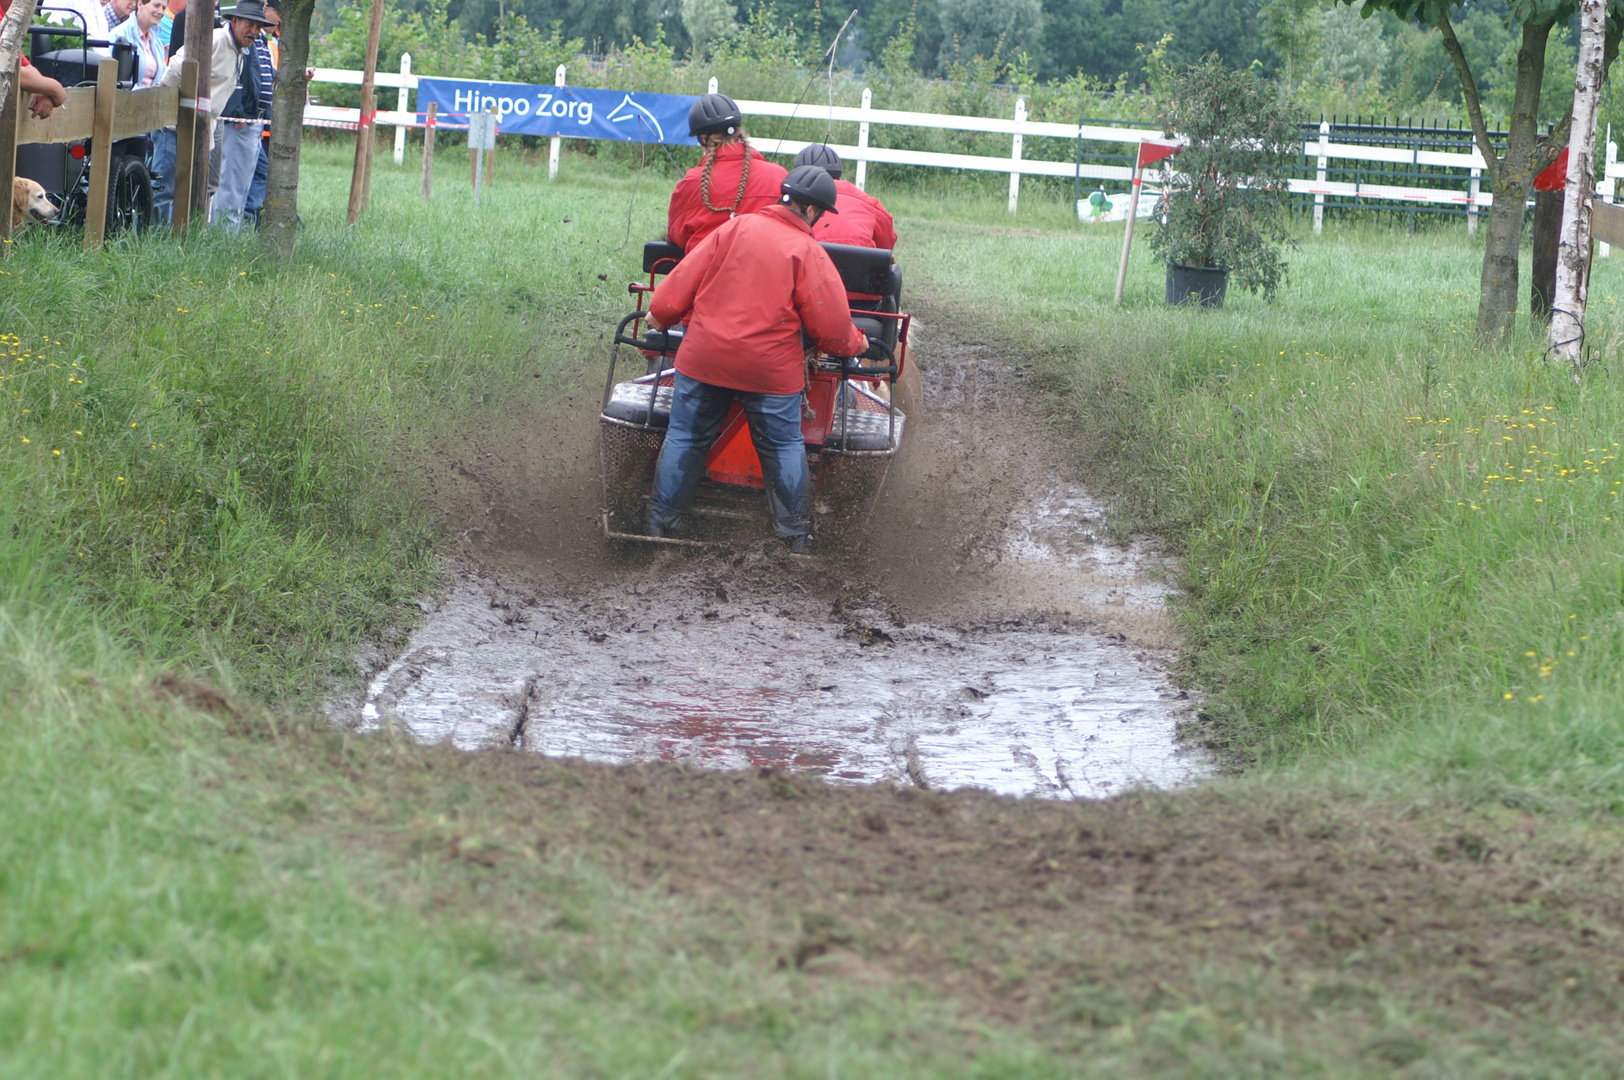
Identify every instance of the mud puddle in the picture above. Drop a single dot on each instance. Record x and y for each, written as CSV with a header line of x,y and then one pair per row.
x,y
978,635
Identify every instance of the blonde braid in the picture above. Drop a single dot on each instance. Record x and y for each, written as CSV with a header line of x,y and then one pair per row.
x,y
705,179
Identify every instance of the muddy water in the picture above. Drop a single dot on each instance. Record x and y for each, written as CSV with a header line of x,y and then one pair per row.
x,y
979,634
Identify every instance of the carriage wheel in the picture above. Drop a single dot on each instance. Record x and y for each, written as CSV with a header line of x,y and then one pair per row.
x,y
129,197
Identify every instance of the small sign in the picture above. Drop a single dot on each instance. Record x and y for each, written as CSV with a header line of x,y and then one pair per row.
x,y
482,131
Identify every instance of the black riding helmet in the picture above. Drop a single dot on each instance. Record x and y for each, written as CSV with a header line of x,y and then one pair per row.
x,y
823,157
809,185
714,114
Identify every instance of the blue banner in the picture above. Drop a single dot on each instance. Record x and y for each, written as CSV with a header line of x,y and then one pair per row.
x,y
570,111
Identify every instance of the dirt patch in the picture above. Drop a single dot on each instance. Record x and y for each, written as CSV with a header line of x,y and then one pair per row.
x,y
1071,918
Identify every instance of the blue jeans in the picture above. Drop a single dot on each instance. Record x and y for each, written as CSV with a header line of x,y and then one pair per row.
x,y
163,174
256,188
697,412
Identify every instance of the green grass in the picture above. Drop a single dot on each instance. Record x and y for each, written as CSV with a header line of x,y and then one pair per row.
x,y
1401,548
230,890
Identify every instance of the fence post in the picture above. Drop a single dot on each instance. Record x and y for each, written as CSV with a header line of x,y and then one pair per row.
x,y
429,124
101,164
1015,154
1472,187
11,115
557,143
1320,176
1609,186
712,89
862,142
400,106
186,120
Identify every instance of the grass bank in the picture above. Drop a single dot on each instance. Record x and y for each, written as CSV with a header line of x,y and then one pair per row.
x,y
193,884
1401,550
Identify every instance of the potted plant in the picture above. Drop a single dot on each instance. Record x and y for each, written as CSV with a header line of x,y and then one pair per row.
x,y
1225,215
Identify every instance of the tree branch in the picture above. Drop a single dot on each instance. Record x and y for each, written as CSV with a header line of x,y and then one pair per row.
x,y
1468,93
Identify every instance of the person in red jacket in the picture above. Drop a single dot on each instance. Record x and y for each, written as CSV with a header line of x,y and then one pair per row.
x,y
862,221
732,178
748,291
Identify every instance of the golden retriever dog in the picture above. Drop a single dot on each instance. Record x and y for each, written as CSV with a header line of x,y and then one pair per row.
x,y
29,203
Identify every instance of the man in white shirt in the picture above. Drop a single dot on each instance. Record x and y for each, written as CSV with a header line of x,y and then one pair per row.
x,y
233,50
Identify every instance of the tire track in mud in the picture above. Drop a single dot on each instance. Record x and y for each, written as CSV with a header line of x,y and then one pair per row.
x,y
977,633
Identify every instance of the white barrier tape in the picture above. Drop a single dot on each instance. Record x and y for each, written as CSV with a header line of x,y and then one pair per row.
x,y
189,102
204,104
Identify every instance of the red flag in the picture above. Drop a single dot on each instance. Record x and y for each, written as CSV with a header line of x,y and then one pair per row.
x,y
1555,176
1152,152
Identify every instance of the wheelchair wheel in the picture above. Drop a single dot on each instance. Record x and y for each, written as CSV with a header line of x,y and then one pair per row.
x,y
129,197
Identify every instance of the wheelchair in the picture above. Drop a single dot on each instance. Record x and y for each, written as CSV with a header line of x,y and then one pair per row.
x,y
70,56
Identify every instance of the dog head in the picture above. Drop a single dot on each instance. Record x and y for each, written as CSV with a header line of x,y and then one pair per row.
x,y
29,203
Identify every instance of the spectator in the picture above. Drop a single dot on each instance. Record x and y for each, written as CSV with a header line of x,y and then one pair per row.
x,y
46,92
166,25
267,55
231,95
142,32
117,13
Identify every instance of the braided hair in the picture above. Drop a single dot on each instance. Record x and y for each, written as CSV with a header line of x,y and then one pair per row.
x,y
712,149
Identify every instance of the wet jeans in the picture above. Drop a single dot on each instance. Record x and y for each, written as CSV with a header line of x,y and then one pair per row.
x,y
697,412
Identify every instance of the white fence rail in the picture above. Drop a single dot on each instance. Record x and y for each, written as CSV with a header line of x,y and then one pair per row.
x,y
1321,151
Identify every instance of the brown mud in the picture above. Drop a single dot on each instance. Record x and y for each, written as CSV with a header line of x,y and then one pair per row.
x,y
964,626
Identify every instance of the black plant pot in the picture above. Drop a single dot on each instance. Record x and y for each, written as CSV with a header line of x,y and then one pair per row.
x,y
1204,285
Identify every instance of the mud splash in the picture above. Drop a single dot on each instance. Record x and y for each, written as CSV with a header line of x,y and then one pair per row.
x,y
674,663
980,635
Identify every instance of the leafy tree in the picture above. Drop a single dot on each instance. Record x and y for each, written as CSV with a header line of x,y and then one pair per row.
x,y
1353,50
1293,31
976,29
1526,151
707,20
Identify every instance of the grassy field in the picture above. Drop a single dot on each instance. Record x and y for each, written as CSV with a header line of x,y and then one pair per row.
x,y
1417,661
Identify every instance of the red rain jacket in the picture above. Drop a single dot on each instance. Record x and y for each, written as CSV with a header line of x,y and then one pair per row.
x,y
689,221
861,220
747,291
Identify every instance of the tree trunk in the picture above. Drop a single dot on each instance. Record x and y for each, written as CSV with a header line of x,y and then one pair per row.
x,y
1526,154
281,213
13,32
1568,310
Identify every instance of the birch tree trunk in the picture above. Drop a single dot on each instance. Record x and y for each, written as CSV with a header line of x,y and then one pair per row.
x,y
1573,257
13,31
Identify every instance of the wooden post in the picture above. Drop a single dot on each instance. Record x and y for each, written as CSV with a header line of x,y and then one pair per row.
x,y
11,113
400,106
1320,177
490,156
101,162
199,44
1547,238
428,148
1127,234
186,125
1015,153
862,141
369,104
1473,187
557,144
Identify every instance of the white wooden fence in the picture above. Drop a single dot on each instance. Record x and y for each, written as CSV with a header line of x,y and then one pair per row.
x,y
1322,150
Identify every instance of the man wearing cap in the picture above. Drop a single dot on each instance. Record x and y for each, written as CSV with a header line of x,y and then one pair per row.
x,y
732,178
748,291
863,221
230,95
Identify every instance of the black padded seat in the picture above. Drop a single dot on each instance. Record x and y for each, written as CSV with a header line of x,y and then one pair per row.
x,y
629,402
871,327
865,269
661,257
